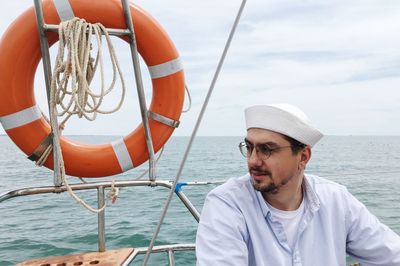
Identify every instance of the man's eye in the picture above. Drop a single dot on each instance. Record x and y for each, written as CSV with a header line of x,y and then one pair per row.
x,y
249,147
264,149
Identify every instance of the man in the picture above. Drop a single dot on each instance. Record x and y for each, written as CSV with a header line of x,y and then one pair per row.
x,y
277,215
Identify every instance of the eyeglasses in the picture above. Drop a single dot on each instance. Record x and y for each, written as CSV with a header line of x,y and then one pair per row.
x,y
262,150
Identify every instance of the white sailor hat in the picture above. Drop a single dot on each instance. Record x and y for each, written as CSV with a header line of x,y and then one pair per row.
x,y
285,119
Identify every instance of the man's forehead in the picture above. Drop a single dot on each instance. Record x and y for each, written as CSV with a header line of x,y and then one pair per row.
x,y
260,135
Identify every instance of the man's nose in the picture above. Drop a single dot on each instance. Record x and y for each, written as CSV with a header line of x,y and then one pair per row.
x,y
254,158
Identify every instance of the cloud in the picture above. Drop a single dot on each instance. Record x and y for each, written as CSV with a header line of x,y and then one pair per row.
x,y
337,60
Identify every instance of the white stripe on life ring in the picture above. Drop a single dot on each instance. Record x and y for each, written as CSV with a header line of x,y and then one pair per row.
x,y
121,151
21,118
165,69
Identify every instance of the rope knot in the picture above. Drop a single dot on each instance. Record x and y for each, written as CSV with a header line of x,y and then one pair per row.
x,y
113,193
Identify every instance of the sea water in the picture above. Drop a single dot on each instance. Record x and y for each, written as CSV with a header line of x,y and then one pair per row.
x,y
53,224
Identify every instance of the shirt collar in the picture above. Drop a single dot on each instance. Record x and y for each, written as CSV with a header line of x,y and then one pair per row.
x,y
310,196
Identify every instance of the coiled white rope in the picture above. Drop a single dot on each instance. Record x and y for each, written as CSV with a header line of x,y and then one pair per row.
x,y
79,68
72,76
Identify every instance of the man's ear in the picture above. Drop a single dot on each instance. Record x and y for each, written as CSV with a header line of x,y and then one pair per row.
x,y
305,156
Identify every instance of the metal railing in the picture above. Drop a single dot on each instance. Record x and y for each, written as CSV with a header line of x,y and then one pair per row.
x,y
100,187
169,249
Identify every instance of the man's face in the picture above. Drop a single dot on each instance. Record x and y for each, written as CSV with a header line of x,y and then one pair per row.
x,y
280,169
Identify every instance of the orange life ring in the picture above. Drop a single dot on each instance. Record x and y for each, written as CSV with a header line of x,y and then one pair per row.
x,y
20,55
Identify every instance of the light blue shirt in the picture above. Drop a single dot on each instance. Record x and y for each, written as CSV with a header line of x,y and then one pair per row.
x,y
237,228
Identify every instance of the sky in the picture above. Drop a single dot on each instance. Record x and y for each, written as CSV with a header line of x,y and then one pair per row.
x,y
338,61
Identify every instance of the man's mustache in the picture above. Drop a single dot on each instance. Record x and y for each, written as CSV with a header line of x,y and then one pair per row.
x,y
259,170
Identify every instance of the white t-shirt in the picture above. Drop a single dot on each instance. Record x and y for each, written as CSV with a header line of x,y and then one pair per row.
x,y
289,219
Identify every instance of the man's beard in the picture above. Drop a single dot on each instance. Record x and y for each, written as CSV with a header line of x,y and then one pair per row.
x,y
267,188
271,188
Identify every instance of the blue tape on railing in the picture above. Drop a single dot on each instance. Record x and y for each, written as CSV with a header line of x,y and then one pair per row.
x,y
179,186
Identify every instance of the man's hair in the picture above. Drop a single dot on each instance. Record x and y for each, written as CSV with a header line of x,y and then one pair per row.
x,y
296,145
